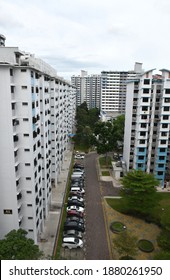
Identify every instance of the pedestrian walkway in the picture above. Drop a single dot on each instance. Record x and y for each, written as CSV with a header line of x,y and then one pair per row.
x,y
48,237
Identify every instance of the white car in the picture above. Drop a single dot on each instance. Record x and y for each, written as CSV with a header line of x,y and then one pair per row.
x,y
77,189
77,208
72,242
79,156
70,198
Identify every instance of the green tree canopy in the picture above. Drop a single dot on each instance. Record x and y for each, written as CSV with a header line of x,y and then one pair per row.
x,y
139,191
15,246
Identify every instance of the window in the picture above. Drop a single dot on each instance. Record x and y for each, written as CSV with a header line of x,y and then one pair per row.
x,y
144,108
142,133
164,125
143,125
146,90
24,87
29,191
140,157
167,100
28,178
24,103
141,149
143,117
146,81
26,150
23,70
25,119
160,173
167,90
26,135
11,72
161,157
165,117
145,99
161,165
141,141
163,142
166,108
27,164
12,89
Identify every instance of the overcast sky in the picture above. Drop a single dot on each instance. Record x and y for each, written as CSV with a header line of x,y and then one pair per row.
x,y
92,35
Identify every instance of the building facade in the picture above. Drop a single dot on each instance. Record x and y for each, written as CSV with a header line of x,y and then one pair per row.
x,y
88,89
113,91
147,124
37,112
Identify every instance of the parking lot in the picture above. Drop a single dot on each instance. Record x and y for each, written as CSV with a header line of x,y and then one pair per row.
x,y
95,243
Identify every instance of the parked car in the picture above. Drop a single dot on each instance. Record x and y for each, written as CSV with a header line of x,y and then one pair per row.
x,y
77,184
72,242
78,165
76,208
79,189
75,202
75,213
77,193
79,156
75,219
74,225
77,176
70,198
78,170
79,181
73,232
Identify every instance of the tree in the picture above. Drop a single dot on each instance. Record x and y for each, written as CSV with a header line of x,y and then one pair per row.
x,y
139,191
15,246
118,125
104,137
125,244
164,240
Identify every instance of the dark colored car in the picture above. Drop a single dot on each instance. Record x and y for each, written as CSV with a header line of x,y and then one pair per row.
x,y
75,219
75,202
77,165
74,225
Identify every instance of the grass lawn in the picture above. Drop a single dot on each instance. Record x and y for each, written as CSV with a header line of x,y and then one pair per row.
x,y
105,162
162,208
105,173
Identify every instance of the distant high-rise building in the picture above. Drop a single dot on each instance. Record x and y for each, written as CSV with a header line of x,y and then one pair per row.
x,y
37,111
147,124
88,89
113,90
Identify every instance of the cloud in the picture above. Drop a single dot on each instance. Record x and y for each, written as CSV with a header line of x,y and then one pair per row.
x,y
91,34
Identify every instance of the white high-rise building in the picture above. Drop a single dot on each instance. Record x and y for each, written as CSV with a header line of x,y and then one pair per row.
x,y
147,124
88,89
113,91
37,112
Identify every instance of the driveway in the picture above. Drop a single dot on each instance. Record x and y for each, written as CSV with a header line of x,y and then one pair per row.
x,y
96,237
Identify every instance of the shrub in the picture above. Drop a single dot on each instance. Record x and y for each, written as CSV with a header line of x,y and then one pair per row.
x,y
117,227
145,245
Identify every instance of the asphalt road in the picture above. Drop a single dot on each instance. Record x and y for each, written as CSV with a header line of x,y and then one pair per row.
x,y
96,238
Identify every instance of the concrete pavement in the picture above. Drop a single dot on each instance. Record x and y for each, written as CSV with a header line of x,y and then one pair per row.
x,y
48,237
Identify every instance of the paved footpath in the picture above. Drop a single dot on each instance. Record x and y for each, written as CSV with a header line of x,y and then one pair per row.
x,y
96,237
